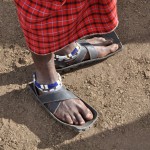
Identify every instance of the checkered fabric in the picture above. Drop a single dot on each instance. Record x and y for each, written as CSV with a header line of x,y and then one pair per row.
x,y
49,25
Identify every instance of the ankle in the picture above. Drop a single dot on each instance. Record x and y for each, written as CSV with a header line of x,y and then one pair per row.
x,y
50,87
67,50
46,78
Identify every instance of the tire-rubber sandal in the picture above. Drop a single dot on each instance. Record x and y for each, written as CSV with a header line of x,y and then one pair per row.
x,y
55,97
78,61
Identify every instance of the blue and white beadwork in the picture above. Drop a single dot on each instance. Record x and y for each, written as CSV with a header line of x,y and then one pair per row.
x,y
72,55
49,87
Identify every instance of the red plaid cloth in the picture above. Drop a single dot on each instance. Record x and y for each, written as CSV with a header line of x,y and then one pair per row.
x,y
49,25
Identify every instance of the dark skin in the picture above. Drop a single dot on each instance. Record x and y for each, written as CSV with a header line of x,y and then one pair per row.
x,y
70,111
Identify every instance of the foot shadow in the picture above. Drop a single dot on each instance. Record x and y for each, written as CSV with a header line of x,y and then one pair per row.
x,y
132,136
18,76
20,107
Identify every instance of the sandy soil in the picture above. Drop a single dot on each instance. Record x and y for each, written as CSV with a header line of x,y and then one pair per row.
x,y
119,88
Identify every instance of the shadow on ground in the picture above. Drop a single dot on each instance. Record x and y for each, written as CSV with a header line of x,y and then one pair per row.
x,y
18,76
134,27
30,114
133,136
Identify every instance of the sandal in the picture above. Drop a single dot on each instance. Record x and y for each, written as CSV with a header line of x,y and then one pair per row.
x,y
57,94
79,53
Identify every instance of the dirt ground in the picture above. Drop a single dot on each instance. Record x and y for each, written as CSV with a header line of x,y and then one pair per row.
x,y
119,89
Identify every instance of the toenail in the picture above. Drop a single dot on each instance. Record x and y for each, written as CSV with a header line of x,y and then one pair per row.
x,y
89,115
70,122
82,123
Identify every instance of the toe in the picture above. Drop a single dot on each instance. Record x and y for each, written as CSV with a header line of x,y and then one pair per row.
x,y
68,119
105,50
80,119
75,121
101,39
87,114
112,47
106,43
96,40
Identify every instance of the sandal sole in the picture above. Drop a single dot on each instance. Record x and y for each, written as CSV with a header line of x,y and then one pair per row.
x,y
76,128
111,35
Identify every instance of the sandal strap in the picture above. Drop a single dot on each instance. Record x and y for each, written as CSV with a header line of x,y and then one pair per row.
x,y
54,98
71,55
54,106
93,53
81,56
84,48
57,96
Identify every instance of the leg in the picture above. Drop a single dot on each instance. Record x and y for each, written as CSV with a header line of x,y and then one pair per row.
x,y
72,112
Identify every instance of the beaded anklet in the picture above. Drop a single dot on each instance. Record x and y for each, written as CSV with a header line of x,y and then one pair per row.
x,y
48,87
70,56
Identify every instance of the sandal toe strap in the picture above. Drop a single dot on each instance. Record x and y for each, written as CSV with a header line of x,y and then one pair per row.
x,y
54,106
56,97
90,48
81,56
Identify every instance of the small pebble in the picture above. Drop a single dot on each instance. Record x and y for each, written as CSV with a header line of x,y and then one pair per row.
x,y
85,81
17,64
63,77
88,87
22,61
147,74
121,91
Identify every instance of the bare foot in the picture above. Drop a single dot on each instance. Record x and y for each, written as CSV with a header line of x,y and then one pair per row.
x,y
73,112
105,47
70,111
